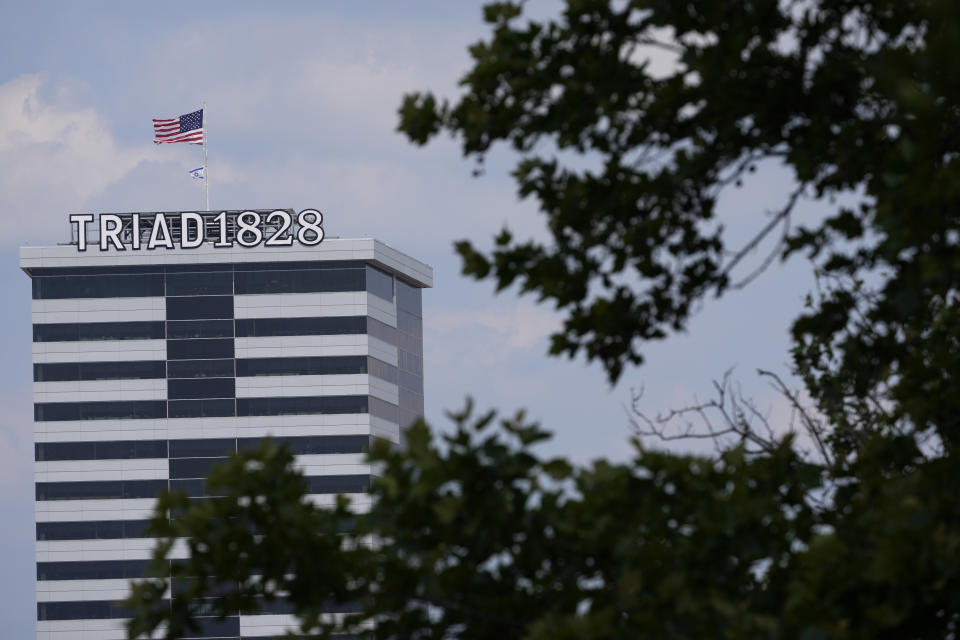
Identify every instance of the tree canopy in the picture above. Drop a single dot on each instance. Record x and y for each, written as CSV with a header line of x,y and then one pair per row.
x,y
475,536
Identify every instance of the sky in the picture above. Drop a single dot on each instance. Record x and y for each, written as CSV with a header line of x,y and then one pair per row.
x,y
302,105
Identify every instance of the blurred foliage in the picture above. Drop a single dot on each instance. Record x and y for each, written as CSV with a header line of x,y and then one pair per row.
x,y
630,119
476,536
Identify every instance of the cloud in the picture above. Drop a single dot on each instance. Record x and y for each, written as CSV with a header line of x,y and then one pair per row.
x,y
503,332
54,159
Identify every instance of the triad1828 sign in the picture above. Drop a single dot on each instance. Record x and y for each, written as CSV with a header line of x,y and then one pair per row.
x,y
189,230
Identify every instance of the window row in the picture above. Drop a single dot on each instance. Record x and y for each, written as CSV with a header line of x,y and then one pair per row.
x,y
192,467
200,308
91,530
195,488
92,570
224,284
209,626
201,388
184,373
82,331
155,409
117,370
107,530
222,328
200,448
113,270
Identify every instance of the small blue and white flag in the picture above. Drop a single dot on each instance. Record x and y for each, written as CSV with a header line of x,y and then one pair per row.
x,y
198,173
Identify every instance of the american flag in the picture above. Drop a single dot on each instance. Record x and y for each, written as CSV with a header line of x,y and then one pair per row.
x,y
186,128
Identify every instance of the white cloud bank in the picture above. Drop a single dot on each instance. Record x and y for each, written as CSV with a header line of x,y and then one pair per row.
x,y
54,159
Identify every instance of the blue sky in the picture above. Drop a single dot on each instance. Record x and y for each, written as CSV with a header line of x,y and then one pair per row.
x,y
302,101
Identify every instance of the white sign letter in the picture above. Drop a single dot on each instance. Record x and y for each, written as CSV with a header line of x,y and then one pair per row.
x,y
110,231
81,220
185,223
160,225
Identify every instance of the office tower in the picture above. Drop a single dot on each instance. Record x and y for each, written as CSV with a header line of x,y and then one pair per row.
x,y
151,365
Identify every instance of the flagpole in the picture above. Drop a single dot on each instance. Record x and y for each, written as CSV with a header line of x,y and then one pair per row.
x,y
206,170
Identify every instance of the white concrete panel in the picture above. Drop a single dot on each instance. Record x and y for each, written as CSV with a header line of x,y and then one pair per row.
x,y
291,386
383,310
268,625
300,305
114,549
96,305
383,351
100,390
183,428
383,428
87,510
111,629
325,460
358,340
400,262
293,350
86,590
89,475
359,502
100,351
384,390
133,552
112,466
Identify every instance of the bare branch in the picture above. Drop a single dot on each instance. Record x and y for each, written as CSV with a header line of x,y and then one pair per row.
x,y
781,216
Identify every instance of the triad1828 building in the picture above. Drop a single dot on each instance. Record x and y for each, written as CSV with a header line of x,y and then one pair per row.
x,y
152,364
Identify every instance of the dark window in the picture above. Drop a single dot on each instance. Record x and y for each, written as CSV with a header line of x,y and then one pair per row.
x,y
409,299
310,445
116,410
110,450
200,348
62,371
200,388
73,331
92,530
82,610
194,488
99,490
197,268
200,329
200,284
301,405
92,570
301,326
193,467
200,308
339,484
299,281
379,283
95,271
299,265
200,369
125,286
320,365
202,408
206,448
213,628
